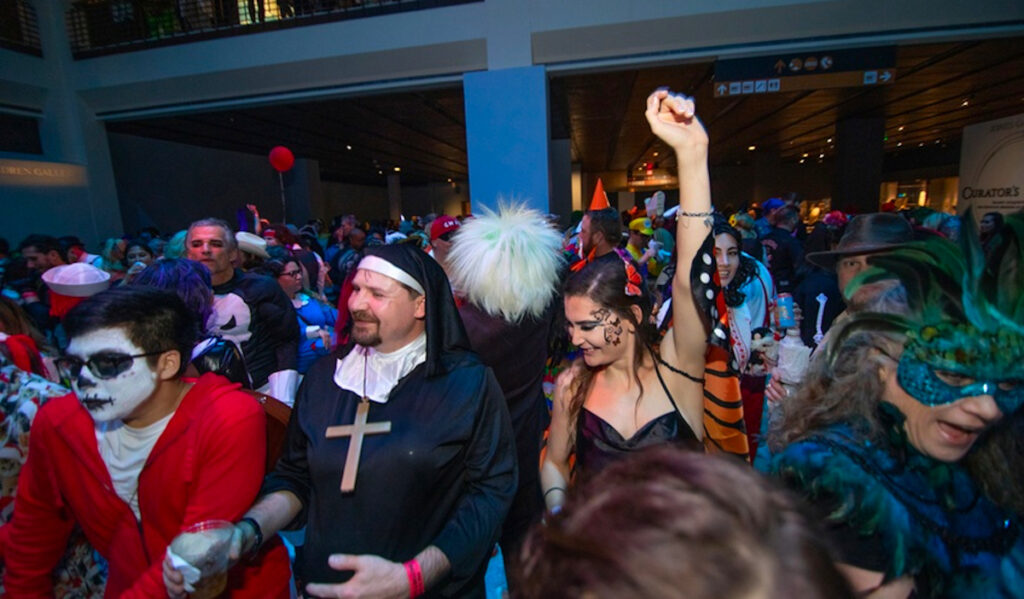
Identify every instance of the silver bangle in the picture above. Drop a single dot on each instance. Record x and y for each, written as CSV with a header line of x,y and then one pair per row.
x,y
551,490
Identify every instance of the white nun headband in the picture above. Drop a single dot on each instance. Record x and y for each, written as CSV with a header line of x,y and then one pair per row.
x,y
382,266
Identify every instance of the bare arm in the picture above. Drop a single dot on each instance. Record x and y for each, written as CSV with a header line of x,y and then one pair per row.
x,y
272,512
672,119
554,472
434,564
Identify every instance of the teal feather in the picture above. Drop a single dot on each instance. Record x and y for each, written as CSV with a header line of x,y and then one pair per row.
x,y
927,516
1009,292
993,287
950,283
861,500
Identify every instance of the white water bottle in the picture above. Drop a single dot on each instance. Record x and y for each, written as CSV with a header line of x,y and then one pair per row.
x,y
793,359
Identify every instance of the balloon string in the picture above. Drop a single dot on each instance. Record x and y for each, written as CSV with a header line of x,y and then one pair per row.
x,y
284,208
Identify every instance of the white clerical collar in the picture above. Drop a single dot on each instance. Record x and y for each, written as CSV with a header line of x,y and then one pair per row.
x,y
366,369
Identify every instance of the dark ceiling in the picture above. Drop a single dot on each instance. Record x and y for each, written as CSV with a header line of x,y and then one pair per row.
x,y
939,88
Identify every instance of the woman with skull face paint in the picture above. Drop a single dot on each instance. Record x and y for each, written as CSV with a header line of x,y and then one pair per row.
x,y
905,435
622,396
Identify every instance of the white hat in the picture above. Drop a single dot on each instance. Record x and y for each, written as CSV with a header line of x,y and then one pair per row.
x,y
252,243
76,280
395,237
655,205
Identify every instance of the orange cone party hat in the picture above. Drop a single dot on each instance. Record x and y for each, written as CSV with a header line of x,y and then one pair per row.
x,y
600,199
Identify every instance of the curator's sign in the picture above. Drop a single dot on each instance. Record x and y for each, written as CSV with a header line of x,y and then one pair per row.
x,y
992,167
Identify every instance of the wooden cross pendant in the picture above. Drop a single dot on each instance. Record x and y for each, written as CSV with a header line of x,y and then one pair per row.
x,y
357,431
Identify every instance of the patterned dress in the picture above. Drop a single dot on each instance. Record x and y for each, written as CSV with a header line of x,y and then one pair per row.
x,y
82,573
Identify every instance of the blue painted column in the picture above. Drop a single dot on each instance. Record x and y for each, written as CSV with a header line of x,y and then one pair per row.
x,y
507,136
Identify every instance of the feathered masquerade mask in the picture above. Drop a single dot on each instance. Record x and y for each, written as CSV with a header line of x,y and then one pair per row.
x,y
966,316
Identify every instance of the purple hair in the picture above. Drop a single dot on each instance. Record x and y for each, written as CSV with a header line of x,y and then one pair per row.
x,y
190,280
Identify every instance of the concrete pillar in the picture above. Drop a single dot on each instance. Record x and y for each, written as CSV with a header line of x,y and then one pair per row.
x,y
767,167
71,133
303,190
394,197
859,155
625,200
507,136
577,187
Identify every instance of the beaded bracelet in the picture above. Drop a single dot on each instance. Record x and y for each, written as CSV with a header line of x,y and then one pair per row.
x,y
707,214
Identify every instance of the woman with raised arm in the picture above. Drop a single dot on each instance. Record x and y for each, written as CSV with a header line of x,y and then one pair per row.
x,y
622,395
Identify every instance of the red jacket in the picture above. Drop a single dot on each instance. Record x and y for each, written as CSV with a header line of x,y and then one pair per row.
x,y
207,464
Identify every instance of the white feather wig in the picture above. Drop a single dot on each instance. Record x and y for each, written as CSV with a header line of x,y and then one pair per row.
x,y
507,263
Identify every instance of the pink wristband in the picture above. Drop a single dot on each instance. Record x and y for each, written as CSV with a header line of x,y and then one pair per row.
x,y
415,574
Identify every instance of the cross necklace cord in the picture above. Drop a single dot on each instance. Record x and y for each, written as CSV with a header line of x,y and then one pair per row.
x,y
357,430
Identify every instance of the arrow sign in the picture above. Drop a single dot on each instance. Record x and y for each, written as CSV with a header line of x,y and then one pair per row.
x,y
814,69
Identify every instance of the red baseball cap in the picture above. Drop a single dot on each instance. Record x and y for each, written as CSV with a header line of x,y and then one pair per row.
x,y
441,225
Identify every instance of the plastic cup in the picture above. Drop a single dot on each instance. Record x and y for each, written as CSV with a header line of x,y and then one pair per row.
x,y
205,545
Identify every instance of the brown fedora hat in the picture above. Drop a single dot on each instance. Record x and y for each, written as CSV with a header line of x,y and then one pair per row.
x,y
866,234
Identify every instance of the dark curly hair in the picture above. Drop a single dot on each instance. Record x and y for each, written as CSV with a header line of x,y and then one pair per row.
x,y
747,269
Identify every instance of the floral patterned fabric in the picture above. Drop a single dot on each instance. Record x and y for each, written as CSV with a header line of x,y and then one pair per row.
x,y
82,573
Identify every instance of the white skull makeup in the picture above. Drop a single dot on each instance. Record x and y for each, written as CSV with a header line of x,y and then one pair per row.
x,y
118,397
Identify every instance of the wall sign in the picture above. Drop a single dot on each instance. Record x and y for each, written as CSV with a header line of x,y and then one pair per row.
x,y
30,173
992,167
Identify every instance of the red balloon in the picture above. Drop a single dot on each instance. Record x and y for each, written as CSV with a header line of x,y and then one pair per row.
x,y
281,158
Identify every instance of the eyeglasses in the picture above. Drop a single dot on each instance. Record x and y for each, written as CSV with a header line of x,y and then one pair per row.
x,y
103,366
292,273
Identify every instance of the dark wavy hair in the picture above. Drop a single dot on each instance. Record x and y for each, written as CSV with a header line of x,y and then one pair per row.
x,y
849,390
746,270
188,279
604,283
670,523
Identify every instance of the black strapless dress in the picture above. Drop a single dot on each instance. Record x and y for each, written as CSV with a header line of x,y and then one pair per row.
x,y
599,443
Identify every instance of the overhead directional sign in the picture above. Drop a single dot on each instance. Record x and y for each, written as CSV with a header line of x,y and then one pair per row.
x,y
805,70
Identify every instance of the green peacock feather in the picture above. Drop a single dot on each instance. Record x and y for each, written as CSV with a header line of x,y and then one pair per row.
x,y
966,308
